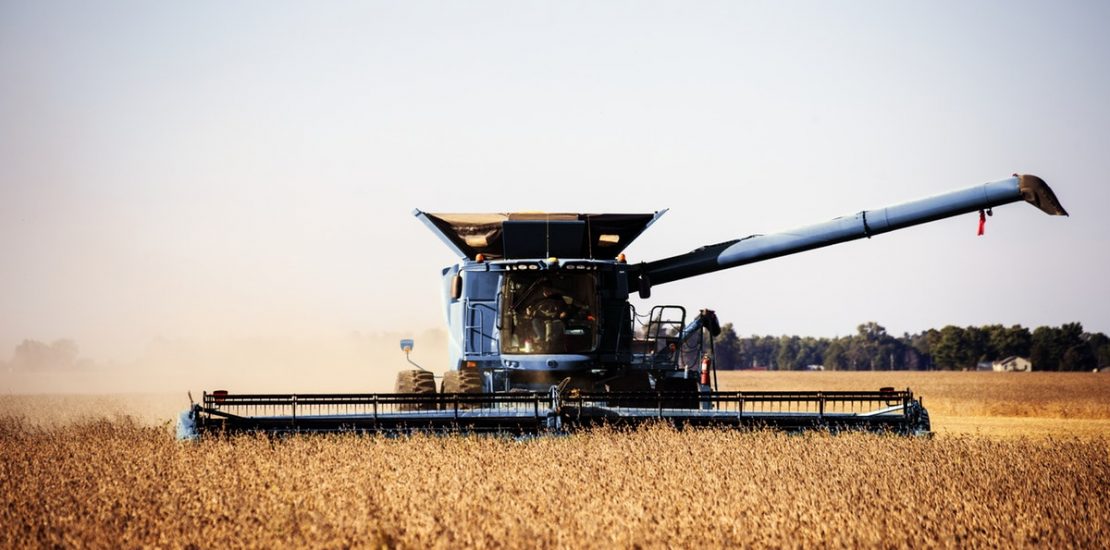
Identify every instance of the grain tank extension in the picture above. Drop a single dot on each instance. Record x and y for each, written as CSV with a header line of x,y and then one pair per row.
x,y
543,336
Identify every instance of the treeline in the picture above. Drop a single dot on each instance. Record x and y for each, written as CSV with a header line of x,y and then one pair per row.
x,y
1063,348
33,355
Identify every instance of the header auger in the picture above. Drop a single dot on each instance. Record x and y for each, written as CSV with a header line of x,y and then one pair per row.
x,y
543,337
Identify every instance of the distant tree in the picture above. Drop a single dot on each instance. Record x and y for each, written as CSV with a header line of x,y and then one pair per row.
x,y
811,351
1015,340
911,359
727,348
857,352
1060,348
922,345
950,352
835,355
1046,351
977,346
745,353
995,334
872,348
1100,348
766,348
787,353
1078,358
1077,355
757,351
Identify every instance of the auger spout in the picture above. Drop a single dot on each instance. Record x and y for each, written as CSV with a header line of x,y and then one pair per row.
x,y
867,223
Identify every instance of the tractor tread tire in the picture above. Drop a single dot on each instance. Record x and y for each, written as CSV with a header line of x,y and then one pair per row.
x,y
416,381
461,381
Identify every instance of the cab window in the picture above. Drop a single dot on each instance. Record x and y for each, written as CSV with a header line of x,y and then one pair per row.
x,y
545,312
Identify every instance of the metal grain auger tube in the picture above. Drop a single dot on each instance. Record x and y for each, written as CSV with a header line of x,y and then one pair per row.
x,y
542,337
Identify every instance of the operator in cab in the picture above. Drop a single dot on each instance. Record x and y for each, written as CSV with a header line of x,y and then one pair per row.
x,y
550,313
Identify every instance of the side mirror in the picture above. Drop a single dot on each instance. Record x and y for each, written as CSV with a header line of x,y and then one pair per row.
x,y
456,287
406,346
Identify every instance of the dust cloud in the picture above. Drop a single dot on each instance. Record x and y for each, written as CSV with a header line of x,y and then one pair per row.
x,y
351,363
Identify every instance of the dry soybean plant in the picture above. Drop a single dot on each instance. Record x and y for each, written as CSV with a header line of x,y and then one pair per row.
x,y
118,483
1065,395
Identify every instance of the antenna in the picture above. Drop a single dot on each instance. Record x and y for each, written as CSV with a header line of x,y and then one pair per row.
x,y
589,239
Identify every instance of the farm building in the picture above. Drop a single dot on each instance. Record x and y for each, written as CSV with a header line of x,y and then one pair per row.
x,y
1013,364
1009,364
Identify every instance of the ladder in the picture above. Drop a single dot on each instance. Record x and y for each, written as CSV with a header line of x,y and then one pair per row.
x,y
479,317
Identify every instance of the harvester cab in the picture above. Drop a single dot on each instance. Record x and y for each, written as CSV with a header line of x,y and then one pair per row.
x,y
540,298
542,336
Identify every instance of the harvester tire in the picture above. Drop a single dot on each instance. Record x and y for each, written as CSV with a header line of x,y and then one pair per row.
x,y
922,425
461,381
416,381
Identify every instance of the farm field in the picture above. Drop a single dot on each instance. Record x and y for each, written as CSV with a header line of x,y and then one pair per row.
x,y
996,404
105,471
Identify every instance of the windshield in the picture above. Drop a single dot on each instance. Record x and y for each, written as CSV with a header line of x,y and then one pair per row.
x,y
548,313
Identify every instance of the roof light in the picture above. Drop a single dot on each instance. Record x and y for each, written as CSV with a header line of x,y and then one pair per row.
x,y
476,241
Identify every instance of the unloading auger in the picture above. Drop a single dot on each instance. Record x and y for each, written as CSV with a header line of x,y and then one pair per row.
x,y
544,339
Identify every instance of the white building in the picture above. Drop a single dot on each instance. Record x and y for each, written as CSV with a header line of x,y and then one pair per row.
x,y
1012,363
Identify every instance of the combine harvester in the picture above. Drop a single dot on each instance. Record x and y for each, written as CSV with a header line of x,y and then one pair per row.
x,y
543,337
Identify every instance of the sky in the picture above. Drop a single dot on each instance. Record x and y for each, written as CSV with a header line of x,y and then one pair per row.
x,y
211,171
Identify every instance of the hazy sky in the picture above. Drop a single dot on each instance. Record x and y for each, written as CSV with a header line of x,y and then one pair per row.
x,y
213,170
